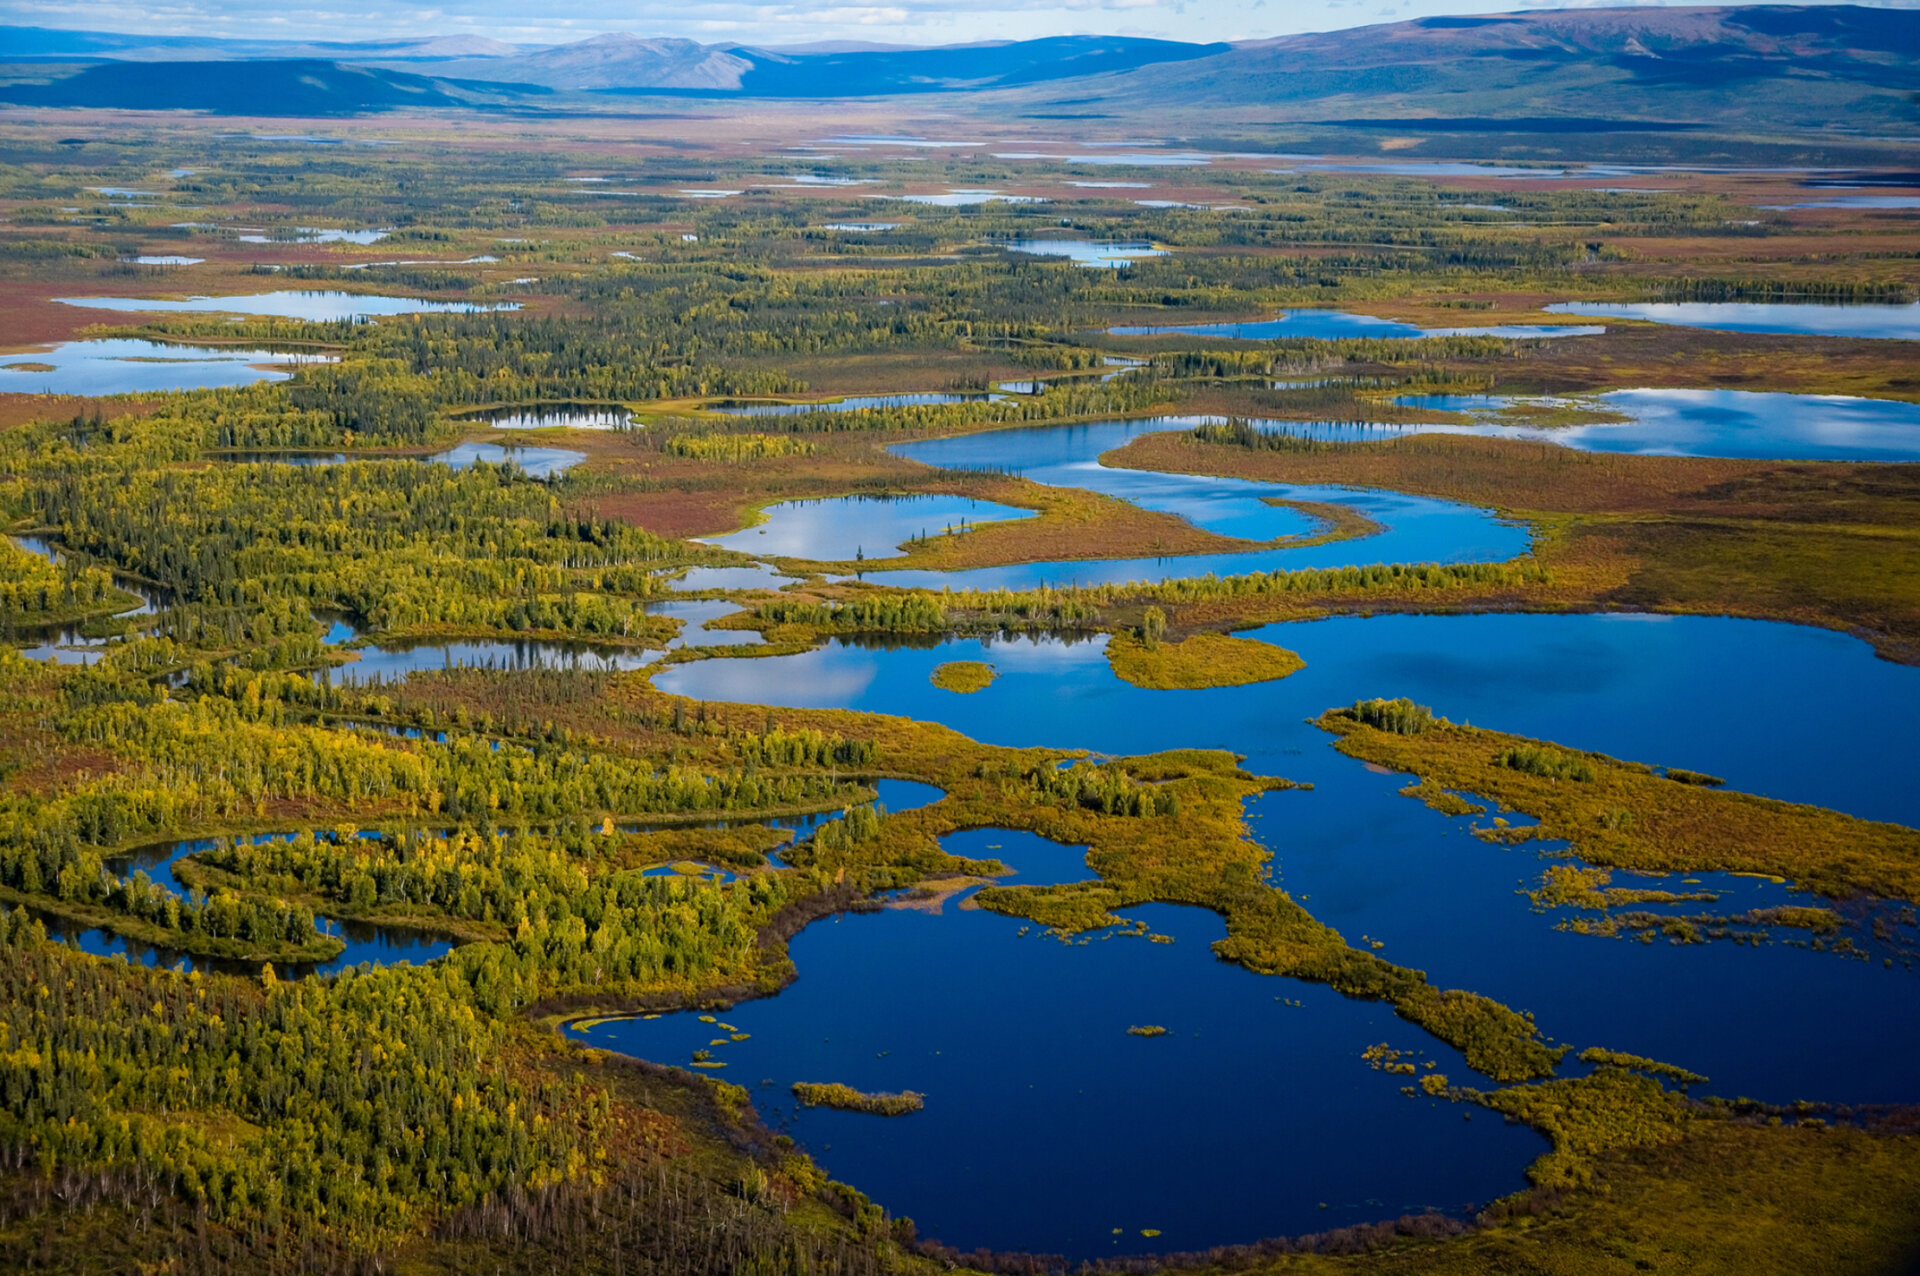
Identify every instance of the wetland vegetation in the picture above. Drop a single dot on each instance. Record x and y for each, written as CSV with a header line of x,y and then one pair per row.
x,y
795,478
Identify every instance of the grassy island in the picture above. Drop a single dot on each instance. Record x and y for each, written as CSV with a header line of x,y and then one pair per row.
x,y
845,1098
964,676
1629,814
1202,661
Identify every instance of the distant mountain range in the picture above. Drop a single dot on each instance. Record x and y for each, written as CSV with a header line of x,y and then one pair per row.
x,y
1821,67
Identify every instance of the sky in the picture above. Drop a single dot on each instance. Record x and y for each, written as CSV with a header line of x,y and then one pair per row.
x,y
781,22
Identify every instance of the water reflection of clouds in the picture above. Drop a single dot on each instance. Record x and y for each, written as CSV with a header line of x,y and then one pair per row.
x,y
815,679
1030,654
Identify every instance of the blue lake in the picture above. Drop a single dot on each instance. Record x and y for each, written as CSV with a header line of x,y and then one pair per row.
x,y
127,366
1417,529
314,306
842,528
1240,1122
1330,325
1811,318
1776,1022
1725,423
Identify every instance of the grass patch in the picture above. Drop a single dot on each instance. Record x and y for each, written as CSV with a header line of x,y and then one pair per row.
x,y
1202,661
1626,815
964,676
844,1098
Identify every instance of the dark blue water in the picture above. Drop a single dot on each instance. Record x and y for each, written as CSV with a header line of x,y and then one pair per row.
x,y
1330,325
1819,319
1728,423
1831,728
1047,1127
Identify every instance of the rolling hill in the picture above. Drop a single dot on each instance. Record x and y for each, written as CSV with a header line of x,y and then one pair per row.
x,y
1826,68
1815,66
299,87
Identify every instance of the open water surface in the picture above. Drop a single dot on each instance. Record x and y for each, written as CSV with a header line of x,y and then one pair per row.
x,y
1330,325
1776,1022
842,528
121,365
315,306
1724,423
1092,253
1899,322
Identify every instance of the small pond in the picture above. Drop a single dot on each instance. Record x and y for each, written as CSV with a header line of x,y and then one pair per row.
x,y
538,462
315,306
1330,325
120,365
840,529
554,417
313,235
1084,252
962,198
397,660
